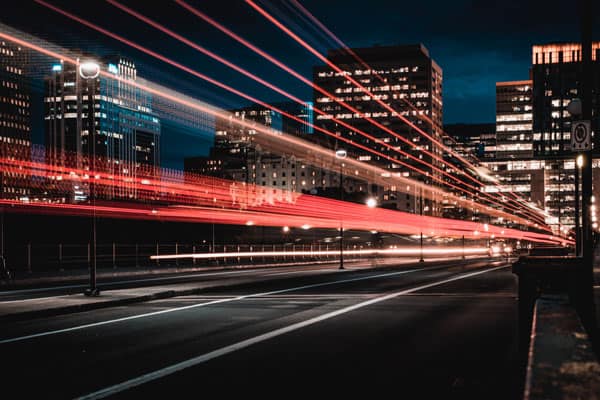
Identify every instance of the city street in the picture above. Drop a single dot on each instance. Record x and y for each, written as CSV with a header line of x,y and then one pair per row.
x,y
446,330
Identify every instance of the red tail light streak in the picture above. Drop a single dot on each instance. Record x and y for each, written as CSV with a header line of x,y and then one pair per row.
x,y
324,157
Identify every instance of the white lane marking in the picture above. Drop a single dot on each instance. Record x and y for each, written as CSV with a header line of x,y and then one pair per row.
x,y
301,272
161,373
170,310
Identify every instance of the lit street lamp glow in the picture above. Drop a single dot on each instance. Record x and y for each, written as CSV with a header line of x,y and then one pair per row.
x,y
371,202
89,70
341,154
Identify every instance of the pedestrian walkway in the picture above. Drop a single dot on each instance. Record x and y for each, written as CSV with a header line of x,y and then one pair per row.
x,y
13,310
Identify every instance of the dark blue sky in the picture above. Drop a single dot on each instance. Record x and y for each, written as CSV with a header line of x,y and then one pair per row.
x,y
477,43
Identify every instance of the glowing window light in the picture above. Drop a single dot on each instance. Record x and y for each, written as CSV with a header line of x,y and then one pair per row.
x,y
113,68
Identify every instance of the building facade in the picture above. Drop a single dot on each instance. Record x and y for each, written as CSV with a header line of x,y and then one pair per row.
x,y
15,116
556,72
235,156
122,131
534,157
410,82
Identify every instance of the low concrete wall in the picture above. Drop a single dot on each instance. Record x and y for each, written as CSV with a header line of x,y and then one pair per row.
x,y
562,364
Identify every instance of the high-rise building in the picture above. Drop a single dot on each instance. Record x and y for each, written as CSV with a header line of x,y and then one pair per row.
x,y
513,165
534,157
15,116
123,126
514,118
556,72
410,82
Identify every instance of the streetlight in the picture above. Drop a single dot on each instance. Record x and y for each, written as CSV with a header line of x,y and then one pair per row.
x,y
421,259
371,202
89,71
341,154
578,165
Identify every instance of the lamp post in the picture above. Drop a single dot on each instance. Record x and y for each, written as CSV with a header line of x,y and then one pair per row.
x,y
578,165
89,71
341,154
421,223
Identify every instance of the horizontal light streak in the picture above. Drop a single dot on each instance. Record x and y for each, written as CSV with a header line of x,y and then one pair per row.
x,y
320,156
518,209
286,30
407,251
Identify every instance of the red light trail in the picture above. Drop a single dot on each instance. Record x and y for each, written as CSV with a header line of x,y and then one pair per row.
x,y
195,202
299,40
517,208
293,141
248,97
324,157
424,117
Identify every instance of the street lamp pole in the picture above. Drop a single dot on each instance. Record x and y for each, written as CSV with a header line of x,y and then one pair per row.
x,y
89,71
578,165
421,224
340,154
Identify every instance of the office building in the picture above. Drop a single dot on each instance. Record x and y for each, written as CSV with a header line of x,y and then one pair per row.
x,y
406,78
534,157
15,116
235,156
123,130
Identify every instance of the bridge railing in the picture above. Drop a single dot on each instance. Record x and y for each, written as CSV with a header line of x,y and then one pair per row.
x,y
40,258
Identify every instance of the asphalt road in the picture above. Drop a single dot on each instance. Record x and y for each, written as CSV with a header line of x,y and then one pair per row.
x,y
445,331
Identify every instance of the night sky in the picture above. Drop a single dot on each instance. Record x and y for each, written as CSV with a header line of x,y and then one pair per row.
x,y
477,43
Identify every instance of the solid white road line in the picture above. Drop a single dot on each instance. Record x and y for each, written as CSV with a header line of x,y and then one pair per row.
x,y
161,373
170,310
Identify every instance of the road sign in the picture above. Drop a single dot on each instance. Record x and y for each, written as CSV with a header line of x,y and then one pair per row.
x,y
581,136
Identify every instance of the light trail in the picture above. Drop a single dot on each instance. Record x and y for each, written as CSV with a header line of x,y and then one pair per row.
x,y
298,216
405,251
518,208
266,105
296,99
177,65
316,153
423,117
279,25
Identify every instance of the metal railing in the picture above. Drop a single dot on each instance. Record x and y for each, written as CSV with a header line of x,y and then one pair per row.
x,y
32,257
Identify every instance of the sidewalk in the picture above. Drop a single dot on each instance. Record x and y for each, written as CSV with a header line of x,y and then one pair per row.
x,y
81,275
17,310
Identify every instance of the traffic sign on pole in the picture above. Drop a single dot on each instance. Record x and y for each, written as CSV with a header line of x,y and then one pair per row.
x,y
581,136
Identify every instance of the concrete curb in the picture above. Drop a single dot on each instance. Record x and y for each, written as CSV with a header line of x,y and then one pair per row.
x,y
75,308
